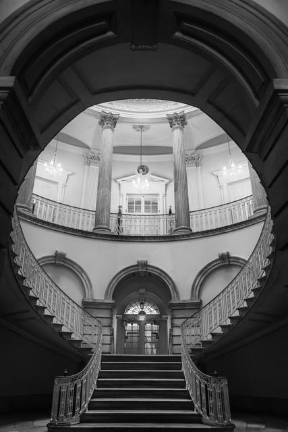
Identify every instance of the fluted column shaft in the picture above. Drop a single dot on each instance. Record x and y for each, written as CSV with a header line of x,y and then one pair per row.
x,y
26,189
182,218
108,122
258,191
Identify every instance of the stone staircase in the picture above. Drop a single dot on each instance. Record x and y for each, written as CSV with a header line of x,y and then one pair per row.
x,y
46,298
140,393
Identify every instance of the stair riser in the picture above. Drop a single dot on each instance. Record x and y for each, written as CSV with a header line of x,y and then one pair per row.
x,y
141,374
134,383
141,405
141,417
140,358
136,393
141,366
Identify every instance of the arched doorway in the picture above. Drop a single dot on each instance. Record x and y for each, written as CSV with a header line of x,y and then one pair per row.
x,y
142,322
141,314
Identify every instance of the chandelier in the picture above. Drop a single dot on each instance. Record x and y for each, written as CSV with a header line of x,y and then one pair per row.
x,y
53,168
141,182
232,169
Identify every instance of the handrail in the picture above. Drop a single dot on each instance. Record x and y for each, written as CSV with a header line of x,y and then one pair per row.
x,y
139,224
71,394
210,394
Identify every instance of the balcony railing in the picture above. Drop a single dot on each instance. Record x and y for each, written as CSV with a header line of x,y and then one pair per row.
x,y
143,225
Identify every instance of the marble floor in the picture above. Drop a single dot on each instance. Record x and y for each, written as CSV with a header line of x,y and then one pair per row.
x,y
243,423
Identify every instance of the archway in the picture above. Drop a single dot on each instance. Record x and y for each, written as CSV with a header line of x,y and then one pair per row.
x,y
60,259
228,58
141,311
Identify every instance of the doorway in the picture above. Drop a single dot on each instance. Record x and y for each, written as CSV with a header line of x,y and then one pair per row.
x,y
141,322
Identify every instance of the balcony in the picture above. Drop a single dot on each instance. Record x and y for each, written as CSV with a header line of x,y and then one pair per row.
x,y
143,225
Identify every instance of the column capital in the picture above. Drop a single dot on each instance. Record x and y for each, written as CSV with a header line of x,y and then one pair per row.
x,y
108,120
177,120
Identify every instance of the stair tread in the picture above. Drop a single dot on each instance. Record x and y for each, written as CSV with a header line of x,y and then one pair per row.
x,y
143,425
140,400
145,411
141,379
166,389
144,362
141,370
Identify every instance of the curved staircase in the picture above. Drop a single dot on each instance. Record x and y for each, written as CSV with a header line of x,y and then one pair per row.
x,y
140,393
65,316
119,393
223,313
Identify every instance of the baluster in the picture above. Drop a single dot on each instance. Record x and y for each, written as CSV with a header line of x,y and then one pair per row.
x,y
63,398
78,398
219,404
203,399
55,401
227,414
70,400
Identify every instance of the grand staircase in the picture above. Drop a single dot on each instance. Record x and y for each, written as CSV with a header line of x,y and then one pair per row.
x,y
145,393
140,393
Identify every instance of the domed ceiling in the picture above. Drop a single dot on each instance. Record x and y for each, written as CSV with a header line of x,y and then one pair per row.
x,y
144,108
200,132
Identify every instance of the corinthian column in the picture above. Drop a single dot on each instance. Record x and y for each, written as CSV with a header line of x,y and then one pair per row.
x,y
108,122
177,123
258,191
26,189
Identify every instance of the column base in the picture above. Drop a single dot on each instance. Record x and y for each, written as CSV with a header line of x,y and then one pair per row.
x,y
182,230
104,229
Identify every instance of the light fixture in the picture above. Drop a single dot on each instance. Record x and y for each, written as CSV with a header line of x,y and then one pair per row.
x,y
141,313
141,182
232,169
53,168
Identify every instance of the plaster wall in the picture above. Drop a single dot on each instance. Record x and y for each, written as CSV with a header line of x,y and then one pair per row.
x,y
67,281
103,259
215,282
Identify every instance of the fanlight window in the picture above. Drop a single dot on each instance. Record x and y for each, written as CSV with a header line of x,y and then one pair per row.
x,y
138,306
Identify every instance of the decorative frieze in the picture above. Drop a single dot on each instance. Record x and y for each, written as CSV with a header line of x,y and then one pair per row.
x,y
192,158
108,120
92,157
177,120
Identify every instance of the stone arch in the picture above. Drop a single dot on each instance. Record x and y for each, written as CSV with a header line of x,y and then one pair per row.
x,y
222,260
61,259
142,267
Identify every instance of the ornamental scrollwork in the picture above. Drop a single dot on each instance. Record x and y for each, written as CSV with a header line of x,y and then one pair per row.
x,y
177,120
108,120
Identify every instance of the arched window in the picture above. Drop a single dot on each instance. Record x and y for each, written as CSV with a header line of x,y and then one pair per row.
x,y
137,306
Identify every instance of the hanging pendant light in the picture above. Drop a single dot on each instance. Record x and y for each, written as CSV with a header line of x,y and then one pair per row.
x,y
52,167
141,182
232,169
